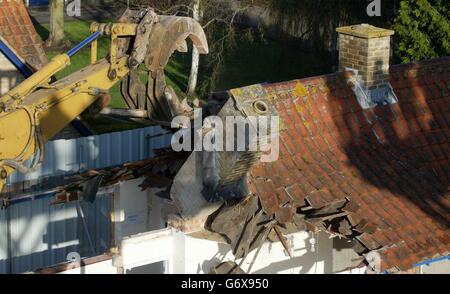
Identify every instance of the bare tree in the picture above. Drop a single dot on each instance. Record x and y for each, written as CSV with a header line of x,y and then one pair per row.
x,y
219,21
56,23
193,77
217,18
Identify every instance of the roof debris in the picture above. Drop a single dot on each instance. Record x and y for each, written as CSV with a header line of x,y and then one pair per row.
x,y
157,173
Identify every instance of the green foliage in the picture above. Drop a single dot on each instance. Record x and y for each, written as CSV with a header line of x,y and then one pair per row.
x,y
422,26
252,59
315,21
423,29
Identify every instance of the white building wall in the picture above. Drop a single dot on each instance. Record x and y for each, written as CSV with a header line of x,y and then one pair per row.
x,y
204,254
355,271
137,219
441,267
135,211
201,255
182,254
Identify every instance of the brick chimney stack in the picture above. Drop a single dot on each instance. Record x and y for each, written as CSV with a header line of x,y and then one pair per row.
x,y
365,49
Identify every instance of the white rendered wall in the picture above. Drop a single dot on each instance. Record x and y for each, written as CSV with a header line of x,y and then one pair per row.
x,y
441,267
138,219
135,211
187,255
200,255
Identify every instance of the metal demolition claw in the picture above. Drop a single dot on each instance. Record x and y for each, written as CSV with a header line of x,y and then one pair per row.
x,y
38,108
157,38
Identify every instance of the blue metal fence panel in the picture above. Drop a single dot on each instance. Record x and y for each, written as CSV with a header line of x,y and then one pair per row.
x,y
42,235
3,243
64,157
34,234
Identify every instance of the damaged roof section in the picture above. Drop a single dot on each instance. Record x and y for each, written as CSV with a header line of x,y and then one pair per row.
x,y
380,176
78,155
72,164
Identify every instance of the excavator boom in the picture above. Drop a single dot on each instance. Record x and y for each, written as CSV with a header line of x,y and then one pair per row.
x,y
36,110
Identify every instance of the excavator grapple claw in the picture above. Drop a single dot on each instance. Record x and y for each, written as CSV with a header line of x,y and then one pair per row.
x,y
157,38
141,44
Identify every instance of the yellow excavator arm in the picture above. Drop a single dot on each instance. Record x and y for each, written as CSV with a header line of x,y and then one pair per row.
x,y
142,42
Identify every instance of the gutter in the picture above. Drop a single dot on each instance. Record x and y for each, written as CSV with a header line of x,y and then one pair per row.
x,y
31,197
50,194
426,262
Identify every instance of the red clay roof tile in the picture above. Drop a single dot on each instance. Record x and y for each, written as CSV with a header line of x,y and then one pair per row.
x,y
391,162
18,30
